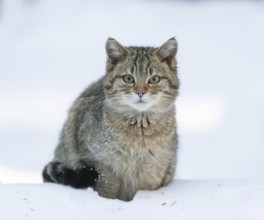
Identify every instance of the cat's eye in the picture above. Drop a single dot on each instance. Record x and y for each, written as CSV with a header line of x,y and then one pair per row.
x,y
128,79
154,80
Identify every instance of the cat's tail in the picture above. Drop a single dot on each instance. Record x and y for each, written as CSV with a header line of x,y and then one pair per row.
x,y
57,172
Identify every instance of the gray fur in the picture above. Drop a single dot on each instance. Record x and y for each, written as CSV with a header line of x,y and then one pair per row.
x,y
133,148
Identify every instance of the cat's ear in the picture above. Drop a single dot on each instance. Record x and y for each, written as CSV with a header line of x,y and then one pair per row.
x,y
115,51
167,52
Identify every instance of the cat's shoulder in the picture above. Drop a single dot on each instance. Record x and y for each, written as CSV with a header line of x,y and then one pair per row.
x,y
90,101
95,90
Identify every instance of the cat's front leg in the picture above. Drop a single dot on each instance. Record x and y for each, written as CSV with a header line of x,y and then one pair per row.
x,y
108,184
127,191
169,175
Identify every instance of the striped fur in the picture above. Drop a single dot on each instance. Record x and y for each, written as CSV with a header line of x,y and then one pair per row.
x,y
120,135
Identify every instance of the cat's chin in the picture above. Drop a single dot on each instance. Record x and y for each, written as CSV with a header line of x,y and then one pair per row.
x,y
141,106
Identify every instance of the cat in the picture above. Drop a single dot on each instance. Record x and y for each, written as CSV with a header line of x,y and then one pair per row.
x,y
120,135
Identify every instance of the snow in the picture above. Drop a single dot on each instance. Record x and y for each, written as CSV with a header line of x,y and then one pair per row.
x,y
51,50
199,199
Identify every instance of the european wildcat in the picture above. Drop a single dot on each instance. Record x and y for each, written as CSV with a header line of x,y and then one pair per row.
x,y
120,135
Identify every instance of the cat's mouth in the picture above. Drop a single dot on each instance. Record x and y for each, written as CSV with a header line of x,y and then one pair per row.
x,y
140,105
140,101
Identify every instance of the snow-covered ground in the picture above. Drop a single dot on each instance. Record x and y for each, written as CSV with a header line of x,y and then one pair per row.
x,y
203,200
51,50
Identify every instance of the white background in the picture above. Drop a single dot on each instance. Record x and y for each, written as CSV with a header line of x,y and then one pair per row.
x,y
51,50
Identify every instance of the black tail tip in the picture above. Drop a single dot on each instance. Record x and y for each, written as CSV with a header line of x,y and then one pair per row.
x,y
56,172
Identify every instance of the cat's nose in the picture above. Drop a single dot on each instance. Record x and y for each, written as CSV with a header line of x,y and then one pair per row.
x,y
141,92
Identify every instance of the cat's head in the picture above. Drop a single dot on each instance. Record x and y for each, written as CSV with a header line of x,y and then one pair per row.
x,y
141,78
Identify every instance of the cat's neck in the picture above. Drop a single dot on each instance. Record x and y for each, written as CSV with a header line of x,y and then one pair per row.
x,y
141,119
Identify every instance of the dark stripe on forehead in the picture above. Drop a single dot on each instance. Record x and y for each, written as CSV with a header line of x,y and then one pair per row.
x,y
140,62
148,69
145,63
132,69
135,67
136,56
